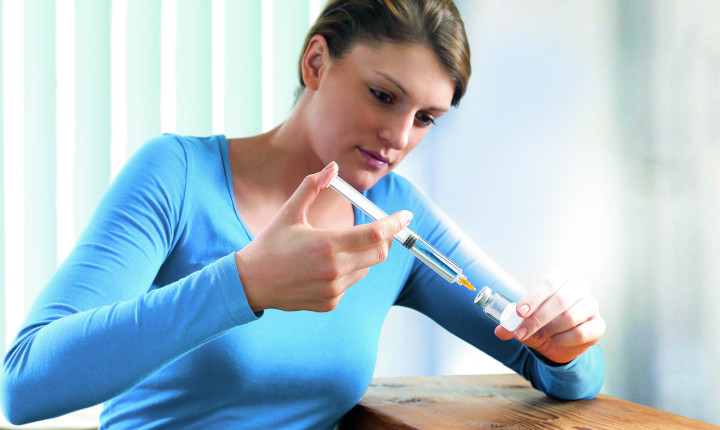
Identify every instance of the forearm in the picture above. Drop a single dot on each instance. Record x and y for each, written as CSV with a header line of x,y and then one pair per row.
x,y
453,307
86,358
582,378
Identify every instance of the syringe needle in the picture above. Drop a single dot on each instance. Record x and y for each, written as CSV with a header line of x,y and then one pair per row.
x,y
464,282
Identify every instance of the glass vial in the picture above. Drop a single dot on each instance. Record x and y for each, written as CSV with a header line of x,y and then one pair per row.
x,y
499,308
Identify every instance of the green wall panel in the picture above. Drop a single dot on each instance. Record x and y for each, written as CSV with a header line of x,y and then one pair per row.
x,y
2,196
243,67
290,24
143,72
194,68
92,107
40,235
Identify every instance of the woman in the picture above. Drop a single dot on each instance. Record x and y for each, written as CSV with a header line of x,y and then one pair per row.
x,y
173,306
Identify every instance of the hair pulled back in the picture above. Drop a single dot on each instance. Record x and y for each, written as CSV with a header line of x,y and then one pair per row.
x,y
435,24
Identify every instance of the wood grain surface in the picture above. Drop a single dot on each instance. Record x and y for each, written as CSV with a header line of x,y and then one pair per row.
x,y
495,401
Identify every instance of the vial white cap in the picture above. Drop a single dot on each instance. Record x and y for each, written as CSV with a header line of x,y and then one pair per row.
x,y
509,318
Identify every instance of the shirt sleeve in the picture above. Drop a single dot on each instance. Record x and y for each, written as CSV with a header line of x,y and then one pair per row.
x,y
453,307
100,326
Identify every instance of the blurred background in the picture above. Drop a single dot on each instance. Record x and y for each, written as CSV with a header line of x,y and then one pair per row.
x,y
589,139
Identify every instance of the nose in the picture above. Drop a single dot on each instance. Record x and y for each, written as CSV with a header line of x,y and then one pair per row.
x,y
396,131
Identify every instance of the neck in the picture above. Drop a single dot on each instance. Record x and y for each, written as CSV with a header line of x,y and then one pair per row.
x,y
276,162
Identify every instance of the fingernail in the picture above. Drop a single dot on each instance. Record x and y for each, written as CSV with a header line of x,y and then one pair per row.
x,y
331,166
520,333
406,216
524,309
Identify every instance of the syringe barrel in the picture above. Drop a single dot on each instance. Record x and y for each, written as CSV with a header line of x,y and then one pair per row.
x,y
433,258
425,252
366,205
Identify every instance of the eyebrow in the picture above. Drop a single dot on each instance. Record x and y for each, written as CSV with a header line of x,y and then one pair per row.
x,y
402,90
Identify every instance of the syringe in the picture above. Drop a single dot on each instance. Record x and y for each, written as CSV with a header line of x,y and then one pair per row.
x,y
408,238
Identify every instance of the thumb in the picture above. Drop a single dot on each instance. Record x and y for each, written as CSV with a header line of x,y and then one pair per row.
x,y
503,333
304,196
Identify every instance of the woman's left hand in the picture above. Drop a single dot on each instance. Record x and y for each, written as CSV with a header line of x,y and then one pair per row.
x,y
562,319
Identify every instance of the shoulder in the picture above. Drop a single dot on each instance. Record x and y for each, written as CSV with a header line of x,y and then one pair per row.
x,y
395,192
171,154
167,161
185,147
160,151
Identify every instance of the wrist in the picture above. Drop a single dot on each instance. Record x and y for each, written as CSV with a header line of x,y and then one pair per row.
x,y
250,294
546,360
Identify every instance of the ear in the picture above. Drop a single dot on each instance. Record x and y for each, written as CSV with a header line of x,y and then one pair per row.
x,y
314,61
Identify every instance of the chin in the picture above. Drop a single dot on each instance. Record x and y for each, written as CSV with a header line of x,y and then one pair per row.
x,y
362,181
369,180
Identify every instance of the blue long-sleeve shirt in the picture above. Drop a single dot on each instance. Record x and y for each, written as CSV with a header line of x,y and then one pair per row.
x,y
148,314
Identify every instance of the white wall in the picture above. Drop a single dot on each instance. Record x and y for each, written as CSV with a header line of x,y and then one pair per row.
x,y
589,139
526,164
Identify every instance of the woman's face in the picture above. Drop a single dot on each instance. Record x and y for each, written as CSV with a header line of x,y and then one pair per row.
x,y
374,106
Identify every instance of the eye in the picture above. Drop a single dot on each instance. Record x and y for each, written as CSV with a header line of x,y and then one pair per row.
x,y
381,96
425,120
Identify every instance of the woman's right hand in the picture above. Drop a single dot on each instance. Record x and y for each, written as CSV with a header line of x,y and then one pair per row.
x,y
291,265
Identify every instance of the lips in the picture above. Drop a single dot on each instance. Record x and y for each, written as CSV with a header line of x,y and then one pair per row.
x,y
374,159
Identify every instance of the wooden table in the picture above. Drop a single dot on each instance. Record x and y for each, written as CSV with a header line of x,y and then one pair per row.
x,y
495,401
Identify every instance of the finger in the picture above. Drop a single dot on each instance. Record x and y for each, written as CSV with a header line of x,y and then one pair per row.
x,y
304,196
503,333
330,298
587,333
367,257
585,309
354,277
560,301
368,235
356,255
551,282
